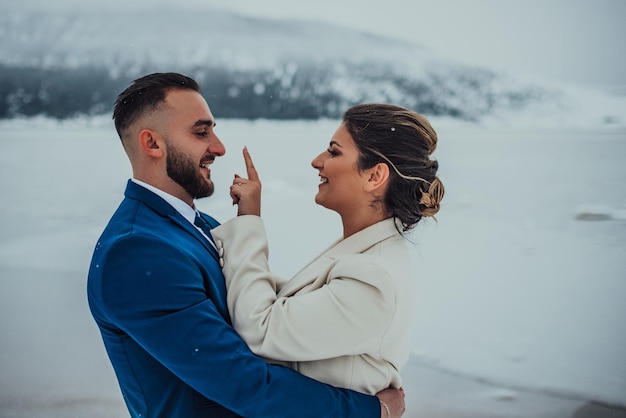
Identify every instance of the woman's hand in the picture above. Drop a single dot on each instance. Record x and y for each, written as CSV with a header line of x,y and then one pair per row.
x,y
246,192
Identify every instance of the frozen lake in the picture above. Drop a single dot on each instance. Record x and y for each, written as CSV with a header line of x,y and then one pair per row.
x,y
522,282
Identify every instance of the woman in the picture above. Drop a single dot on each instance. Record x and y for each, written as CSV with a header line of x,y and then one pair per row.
x,y
345,318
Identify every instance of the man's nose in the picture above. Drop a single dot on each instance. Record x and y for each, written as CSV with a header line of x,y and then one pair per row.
x,y
216,147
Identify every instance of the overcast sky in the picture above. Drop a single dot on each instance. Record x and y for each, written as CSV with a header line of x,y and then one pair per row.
x,y
573,40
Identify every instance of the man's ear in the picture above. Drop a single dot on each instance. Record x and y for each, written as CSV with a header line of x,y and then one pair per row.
x,y
150,144
378,176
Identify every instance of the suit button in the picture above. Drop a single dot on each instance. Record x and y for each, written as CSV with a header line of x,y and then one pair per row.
x,y
221,262
221,251
219,243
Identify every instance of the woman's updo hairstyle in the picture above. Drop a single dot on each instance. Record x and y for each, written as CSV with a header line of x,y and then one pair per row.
x,y
404,140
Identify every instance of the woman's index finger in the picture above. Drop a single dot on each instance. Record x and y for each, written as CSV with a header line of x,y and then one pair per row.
x,y
252,173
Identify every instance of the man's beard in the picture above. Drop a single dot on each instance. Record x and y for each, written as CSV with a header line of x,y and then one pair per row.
x,y
184,171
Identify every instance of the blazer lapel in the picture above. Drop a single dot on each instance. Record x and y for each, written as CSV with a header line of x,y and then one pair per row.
x,y
364,239
354,244
160,206
183,223
306,276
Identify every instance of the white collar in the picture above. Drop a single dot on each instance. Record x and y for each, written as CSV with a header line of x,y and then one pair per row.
x,y
181,207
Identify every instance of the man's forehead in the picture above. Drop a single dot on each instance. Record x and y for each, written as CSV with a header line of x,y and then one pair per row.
x,y
189,103
178,96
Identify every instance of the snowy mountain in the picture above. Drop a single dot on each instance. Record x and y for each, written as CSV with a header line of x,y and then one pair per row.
x,y
63,64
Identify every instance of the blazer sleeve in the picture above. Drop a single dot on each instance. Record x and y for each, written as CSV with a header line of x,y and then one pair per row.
x,y
155,293
347,316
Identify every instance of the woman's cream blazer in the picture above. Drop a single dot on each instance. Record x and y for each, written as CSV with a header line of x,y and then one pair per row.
x,y
344,319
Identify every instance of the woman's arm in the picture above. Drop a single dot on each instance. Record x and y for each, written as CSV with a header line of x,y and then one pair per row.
x,y
348,315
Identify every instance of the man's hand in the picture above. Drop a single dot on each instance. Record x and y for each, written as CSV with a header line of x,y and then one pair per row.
x,y
394,400
246,193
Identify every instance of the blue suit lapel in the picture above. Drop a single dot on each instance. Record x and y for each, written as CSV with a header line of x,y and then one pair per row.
x,y
161,207
183,223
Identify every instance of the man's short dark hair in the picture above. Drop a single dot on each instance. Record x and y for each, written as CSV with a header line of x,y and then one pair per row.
x,y
146,93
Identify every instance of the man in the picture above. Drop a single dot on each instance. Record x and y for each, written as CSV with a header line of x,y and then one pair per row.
x,y
156,289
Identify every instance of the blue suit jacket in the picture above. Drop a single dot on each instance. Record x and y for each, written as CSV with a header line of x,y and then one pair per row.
x,y
157,293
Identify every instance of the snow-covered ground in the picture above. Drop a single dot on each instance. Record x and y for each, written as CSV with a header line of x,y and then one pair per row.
x,y
522,282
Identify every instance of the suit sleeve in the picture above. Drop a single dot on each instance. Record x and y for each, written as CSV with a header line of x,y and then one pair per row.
x,y
347,316
156,294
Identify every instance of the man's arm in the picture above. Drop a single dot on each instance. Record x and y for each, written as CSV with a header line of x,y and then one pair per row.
x,y
155,292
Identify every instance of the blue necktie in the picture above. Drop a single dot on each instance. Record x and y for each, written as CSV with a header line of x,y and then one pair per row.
x,y
204,225
206,228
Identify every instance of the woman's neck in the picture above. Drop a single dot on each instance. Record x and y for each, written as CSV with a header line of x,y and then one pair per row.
x,y
355,222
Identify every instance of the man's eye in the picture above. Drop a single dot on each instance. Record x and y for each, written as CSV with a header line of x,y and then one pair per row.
x,y
202,134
